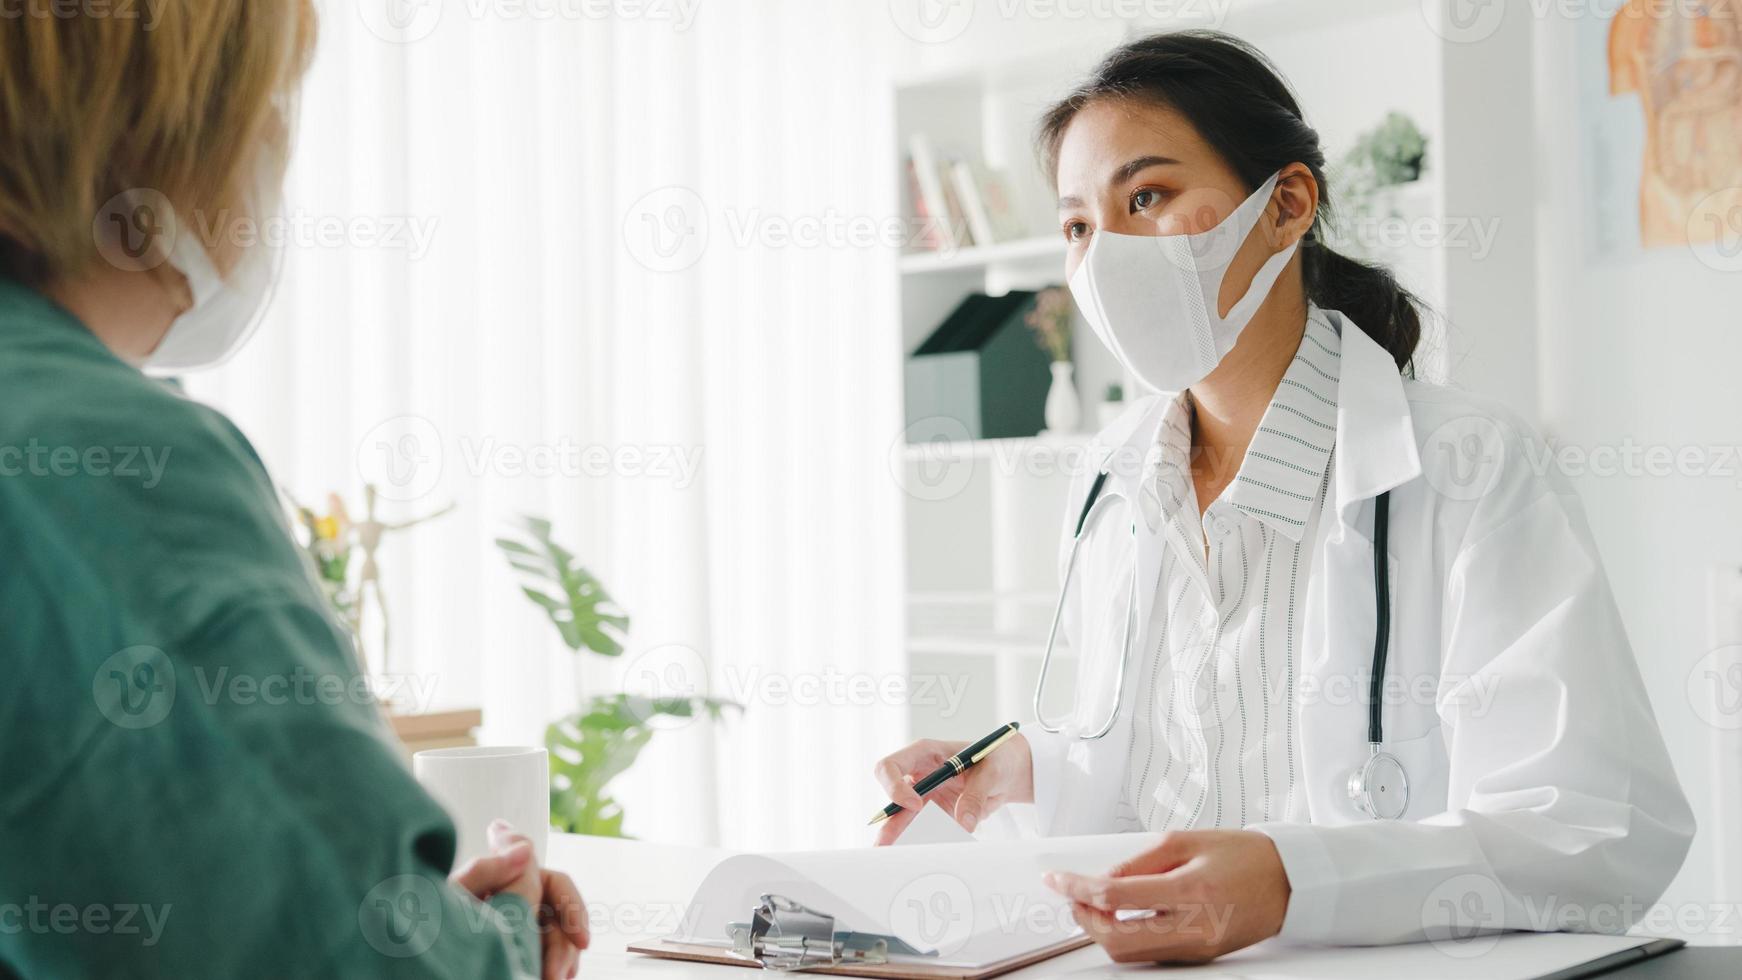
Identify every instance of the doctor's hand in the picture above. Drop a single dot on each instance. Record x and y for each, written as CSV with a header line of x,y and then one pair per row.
x,y
1210,892
1005,776
512,868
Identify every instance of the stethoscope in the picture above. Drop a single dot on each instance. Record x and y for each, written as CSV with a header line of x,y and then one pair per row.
x,y
1379,787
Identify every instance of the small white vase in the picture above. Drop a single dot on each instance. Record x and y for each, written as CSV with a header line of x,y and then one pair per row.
x,y
1063,410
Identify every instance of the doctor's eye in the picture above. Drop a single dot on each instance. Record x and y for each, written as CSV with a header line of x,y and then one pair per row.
x,y
1076,231
1145,198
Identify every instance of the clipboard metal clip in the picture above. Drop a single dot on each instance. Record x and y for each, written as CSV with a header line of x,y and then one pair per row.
x,y
785,936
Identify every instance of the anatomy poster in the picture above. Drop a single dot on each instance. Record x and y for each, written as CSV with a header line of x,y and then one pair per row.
x,y
1661,100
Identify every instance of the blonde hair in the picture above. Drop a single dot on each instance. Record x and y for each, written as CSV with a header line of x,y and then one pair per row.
x,y
188,98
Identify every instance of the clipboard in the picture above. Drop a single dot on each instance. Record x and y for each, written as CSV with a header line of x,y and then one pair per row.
x,y
869,911
785,937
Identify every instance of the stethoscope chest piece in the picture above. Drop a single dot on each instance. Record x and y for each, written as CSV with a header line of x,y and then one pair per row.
x,y
1380,789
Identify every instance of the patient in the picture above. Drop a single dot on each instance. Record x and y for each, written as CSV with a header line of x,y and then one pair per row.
x,y
151,822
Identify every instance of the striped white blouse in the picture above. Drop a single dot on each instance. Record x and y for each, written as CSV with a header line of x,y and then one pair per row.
x,y
1215,741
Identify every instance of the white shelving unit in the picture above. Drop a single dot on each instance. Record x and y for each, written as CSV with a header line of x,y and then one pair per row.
x,y
982,546
982,518
981,560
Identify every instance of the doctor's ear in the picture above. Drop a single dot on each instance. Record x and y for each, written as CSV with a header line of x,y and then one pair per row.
x,y
1297,204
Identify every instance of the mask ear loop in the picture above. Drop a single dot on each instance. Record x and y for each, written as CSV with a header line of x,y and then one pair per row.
x,y
1259,291
1246,220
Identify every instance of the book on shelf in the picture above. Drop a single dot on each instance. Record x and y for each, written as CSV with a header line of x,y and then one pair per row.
x,y
967,186
930,203
1000,204
958,202
929,235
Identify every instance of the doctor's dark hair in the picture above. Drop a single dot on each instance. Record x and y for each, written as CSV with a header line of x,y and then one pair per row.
x,y
1237,100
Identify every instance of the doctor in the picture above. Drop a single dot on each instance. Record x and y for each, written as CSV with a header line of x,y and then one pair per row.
x,y
1291,517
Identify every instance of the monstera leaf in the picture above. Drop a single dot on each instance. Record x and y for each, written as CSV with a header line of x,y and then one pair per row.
x,y
594,746
590,749
577,603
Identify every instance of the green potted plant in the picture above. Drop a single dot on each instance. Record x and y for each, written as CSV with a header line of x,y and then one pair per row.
x,y
1379,180
1391,153
1112,404
598,743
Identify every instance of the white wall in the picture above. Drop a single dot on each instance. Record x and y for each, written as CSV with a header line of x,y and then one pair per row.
x,y
1643,346
1393,55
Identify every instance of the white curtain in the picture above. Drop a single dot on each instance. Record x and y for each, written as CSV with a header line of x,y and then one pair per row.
x,y
583,268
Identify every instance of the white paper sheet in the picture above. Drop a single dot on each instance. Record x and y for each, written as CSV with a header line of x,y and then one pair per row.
x,y
933,826
965,906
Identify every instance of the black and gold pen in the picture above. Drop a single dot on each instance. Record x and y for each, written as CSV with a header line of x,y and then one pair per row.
x,y
954,766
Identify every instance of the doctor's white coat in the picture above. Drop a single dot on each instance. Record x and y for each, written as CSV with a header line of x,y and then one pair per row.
x,y
1541,793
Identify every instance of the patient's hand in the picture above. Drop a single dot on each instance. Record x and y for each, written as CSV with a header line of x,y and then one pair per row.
x,y
511,868
1005,776
1211,892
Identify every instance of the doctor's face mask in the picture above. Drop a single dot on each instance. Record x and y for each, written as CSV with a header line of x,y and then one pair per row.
x,y
1154,300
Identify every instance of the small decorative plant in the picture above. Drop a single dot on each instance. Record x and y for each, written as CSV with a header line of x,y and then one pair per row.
x,y
328,541
1051,322
598,743
1389,154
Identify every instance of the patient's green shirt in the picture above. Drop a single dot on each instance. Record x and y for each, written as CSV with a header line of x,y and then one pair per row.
x,y
192,780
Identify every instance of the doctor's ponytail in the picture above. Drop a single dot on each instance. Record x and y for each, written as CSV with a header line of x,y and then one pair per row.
x,y
1239,103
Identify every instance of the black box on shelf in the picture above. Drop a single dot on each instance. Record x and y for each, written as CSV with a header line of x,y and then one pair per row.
x,y
980,375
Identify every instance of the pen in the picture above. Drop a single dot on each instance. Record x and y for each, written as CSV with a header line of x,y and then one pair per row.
x,y
952,767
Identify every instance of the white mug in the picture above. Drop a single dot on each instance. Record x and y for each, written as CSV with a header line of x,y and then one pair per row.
x,y
478,784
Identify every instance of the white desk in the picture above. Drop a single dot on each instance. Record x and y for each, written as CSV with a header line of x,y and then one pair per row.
x,y
636,890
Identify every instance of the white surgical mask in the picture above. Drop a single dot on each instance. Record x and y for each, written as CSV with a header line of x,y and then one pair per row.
x,y
226,310
1154,299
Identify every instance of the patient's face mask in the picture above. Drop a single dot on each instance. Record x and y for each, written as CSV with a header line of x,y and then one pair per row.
x,y
1154,299
226,309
